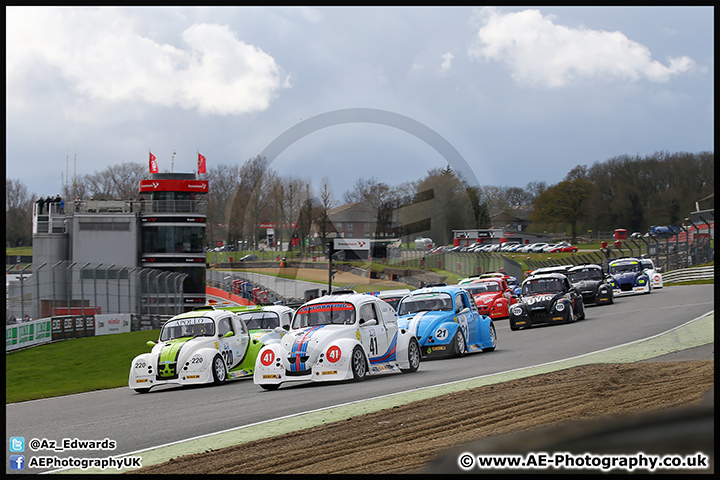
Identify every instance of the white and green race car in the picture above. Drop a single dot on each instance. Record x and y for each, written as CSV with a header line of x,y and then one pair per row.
x,y
206,345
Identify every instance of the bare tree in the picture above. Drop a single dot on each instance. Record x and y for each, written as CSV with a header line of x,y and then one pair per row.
x,y
223,182
322,218
18,213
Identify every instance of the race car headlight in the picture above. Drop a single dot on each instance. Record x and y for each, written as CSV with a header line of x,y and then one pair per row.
x,y
517,311
641,281
559,306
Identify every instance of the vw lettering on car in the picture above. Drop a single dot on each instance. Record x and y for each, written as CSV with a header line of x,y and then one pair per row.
x,y
628,277
546,298
205,345
343,336
446,321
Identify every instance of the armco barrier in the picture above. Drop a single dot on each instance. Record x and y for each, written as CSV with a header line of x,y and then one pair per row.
x,y
687,274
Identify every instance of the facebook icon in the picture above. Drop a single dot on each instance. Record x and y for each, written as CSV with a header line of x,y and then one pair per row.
x,y
17,462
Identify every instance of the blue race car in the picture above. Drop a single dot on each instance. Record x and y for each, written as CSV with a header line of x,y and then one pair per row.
x,y
446,322
628,277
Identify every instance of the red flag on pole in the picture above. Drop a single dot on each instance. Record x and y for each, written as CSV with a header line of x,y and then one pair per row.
x,y
201,163
153,164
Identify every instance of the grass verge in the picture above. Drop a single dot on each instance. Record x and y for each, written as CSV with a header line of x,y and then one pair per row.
x,y
73,366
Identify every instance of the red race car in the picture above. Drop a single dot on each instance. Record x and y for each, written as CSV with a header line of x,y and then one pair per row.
x,y
563,247
492,296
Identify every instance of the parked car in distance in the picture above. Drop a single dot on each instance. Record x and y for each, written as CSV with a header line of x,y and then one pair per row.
x,y
563,247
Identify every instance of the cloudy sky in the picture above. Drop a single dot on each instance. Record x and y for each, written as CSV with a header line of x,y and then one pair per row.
x,y
507,95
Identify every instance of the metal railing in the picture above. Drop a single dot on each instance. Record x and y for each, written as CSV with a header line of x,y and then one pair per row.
x,y
70,289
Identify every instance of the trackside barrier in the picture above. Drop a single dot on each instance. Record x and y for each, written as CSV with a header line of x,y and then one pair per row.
x,y
688,274
28,334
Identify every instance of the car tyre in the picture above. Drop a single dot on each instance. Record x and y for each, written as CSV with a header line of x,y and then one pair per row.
x,y
581,311
571,315
218,370
413,356
359,366
493,336
459,347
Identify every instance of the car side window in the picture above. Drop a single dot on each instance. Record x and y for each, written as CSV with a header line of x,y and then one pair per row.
x,y
224,326
240,327
368,312
473,305
460,302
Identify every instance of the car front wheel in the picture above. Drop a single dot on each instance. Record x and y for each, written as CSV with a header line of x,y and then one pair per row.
x,y
413,356
493,337
218,370
359,367
459,347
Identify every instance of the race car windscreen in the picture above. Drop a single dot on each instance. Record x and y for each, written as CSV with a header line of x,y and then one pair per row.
x,y
542,285
260,320
425,302
625,267
580,275
334,313
187,327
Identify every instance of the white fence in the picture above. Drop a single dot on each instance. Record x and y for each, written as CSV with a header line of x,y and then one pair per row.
x,y
687,274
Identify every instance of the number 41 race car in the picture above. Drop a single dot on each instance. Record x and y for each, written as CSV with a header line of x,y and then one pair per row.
x,y
338,337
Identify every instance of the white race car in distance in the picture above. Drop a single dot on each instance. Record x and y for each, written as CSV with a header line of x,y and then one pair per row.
x,y
655,277
342,336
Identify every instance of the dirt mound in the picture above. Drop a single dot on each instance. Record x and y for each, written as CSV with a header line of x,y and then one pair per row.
x,y
405,438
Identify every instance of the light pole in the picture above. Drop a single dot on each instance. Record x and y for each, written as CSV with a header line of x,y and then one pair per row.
x,y
107,287
36,274
82,290
22,292
95,287
68,279
118,285
53,277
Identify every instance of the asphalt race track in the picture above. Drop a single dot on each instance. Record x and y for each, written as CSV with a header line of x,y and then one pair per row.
x,y
167,415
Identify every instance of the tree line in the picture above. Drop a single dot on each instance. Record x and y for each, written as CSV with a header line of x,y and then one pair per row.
x,y
622,192
628,192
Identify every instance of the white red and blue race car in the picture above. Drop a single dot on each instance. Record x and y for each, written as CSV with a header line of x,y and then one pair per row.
x,y
343,336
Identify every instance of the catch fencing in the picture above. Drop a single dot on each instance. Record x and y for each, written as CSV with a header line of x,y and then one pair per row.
x,y
69,289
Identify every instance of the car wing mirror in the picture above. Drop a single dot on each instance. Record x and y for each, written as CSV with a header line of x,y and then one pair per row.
x,y
228,334
281,330
464,311
369,323
150,343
